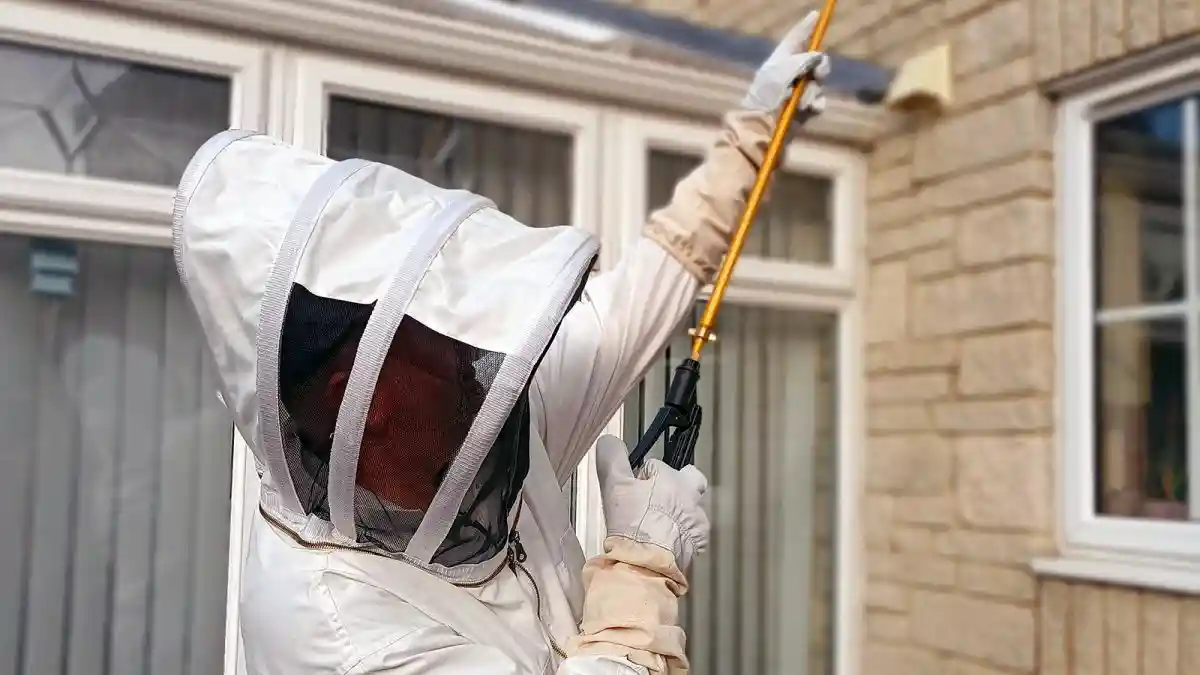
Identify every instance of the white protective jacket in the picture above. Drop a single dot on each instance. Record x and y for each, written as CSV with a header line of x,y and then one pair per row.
x,y
313,608
418,375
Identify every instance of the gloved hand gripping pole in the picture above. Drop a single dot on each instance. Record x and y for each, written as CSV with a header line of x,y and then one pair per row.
x,y
679,418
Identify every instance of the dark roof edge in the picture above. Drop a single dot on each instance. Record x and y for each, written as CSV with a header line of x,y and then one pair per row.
x,y
866,81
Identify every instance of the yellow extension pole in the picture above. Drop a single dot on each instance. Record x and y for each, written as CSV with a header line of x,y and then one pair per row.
x,y
704,331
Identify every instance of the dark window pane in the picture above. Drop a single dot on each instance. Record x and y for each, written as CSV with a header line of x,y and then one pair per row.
x,y
82,115
1141,419
1139,208
794,224
527,173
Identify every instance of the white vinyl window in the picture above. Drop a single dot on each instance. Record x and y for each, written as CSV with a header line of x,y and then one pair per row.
x,y
534,155
117,454
1130,327
778,389
99,115
812,257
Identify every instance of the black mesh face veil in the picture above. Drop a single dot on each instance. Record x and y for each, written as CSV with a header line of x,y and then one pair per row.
x,y
428,394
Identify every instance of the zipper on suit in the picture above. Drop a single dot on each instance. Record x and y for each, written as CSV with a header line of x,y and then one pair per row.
x,y
515,560
516,563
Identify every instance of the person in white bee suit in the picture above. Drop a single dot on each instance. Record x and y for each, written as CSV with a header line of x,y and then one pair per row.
x,y
419,375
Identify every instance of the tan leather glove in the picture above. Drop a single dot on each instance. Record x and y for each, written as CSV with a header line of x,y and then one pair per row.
x,y
656,524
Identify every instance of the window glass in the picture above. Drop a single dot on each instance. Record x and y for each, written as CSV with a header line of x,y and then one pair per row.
x,y
82,115
1139,208
1142,348
768,447
527,173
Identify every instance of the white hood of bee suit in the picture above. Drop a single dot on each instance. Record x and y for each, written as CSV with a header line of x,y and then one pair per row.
x,y
254,218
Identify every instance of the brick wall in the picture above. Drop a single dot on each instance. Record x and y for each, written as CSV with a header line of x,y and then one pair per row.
x,y
959,353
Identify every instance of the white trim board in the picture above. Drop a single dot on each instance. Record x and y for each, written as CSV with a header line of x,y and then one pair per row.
x,y
1135,573
501,55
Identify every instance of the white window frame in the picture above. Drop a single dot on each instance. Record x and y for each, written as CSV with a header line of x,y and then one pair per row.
x,y
1144,552
42,204
757,280
80,207
628,140
319,77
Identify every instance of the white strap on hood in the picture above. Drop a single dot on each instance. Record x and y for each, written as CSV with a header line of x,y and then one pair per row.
x,y
421,247
270,323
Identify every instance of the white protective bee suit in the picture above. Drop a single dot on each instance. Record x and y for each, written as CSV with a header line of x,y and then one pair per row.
x,y
418,376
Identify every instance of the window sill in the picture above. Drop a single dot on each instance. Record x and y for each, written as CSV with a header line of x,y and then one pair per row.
x,y
1149,574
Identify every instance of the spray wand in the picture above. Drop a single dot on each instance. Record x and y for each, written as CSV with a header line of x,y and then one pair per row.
x,y
679,418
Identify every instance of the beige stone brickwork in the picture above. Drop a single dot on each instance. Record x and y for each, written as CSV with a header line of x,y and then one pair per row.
x,y
1107,630
959,344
